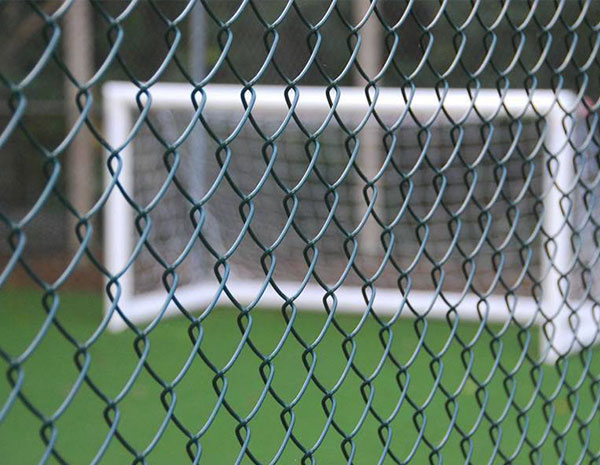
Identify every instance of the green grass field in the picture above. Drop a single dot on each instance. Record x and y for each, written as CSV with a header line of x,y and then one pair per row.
x,y
425,414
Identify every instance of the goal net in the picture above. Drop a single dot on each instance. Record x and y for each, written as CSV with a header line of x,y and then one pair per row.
x,y
402,203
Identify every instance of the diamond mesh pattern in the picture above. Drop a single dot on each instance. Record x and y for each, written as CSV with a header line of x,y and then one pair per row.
x,y
458,209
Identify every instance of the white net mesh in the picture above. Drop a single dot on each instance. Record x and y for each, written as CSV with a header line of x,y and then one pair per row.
x,y
489,176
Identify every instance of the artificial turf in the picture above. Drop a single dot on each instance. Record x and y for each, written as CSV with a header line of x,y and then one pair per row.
x,y
499,415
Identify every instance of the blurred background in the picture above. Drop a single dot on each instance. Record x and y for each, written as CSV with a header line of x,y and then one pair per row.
x,y
87,36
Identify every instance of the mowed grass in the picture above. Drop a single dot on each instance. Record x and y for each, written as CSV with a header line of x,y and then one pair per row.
x,y
505,408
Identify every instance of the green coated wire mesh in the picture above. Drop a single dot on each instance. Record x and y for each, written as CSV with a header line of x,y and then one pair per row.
x,y
299,231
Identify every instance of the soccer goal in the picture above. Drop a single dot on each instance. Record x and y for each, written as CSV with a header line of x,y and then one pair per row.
x,y
401,202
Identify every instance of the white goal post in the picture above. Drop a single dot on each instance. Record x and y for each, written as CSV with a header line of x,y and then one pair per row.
x,y
571,324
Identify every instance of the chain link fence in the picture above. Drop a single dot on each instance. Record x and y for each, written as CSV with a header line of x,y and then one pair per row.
x,y
299,231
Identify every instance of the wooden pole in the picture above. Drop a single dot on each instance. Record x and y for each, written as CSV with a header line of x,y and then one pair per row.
x,y
370,155
79,58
